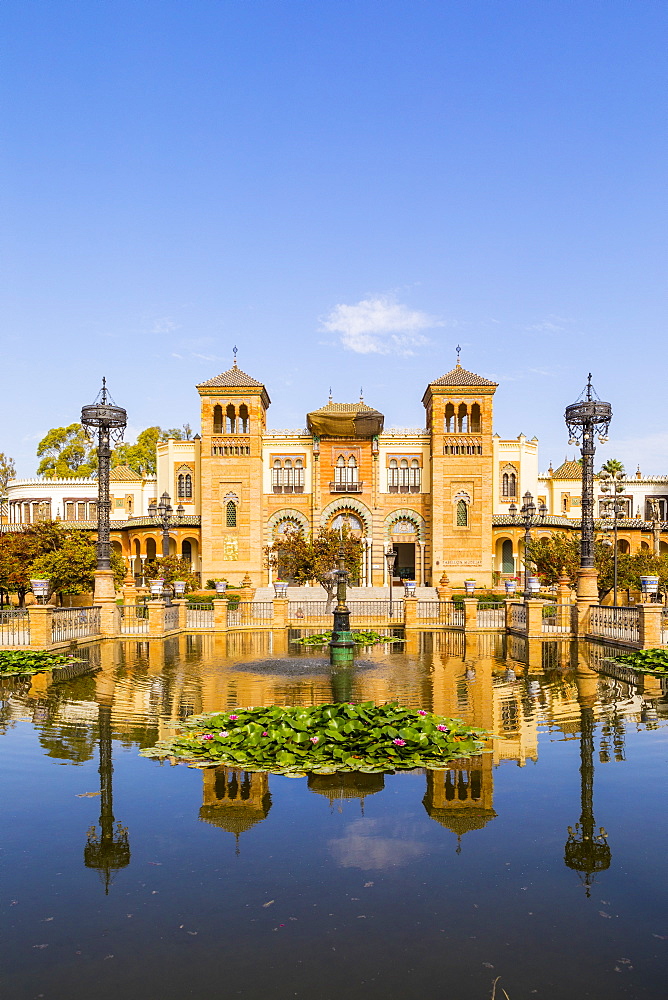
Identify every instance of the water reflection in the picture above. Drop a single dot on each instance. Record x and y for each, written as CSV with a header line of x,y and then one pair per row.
x,y
108,851
234,800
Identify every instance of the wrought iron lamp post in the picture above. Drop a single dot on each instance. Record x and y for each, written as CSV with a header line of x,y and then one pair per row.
x,y
109,421
390,559
342,645
163,512
109,851
613,482
586,850
528,516
587,418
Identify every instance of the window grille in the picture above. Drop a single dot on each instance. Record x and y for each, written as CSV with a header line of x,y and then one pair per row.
x,y
462,514
231,514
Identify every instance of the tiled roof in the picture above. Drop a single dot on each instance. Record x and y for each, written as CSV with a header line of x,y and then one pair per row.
x,y
460,376
124,474
568,470
232,378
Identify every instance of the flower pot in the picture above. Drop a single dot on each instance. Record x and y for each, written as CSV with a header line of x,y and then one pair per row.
x,y
469,587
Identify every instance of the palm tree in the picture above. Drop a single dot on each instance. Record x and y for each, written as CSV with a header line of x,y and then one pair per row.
x,y
612,466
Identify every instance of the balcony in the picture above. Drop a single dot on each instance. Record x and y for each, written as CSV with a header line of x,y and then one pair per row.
x,y
346,487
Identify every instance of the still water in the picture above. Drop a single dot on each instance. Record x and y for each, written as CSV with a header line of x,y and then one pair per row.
x,y
127,878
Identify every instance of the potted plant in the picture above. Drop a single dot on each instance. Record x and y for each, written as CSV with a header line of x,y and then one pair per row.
x,y
469,587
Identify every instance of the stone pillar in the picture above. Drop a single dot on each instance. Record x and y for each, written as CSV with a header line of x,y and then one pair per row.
x,y
410,612
39,616
156,619
470,613
508,603
444,589
587,586
280,619
220,614
247,589
564,601
104,586
110,625
182,605
534,619
650,625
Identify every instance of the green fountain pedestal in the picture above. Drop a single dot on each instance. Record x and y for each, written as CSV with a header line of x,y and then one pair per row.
x,y
342,645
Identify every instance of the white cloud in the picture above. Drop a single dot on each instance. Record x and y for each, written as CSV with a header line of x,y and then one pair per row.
x,y
164,325
379,325
362,847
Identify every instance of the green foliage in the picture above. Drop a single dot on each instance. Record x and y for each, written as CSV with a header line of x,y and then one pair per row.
x,y
646,661
170,569
67,453
612,466
20,549
31,661
322,739
7,471
365,638
70,568
302,559
550,555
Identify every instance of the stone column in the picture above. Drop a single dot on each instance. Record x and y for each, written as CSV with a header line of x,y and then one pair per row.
x,y
410,612
104,586
220,614
650,625
39,616
280,619
156,619
470,613
110,625
508,603
182,605
534,619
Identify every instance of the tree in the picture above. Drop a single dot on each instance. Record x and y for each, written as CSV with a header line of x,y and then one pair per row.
x,y
7,472
141,456
612,466
172,568
550,555
71,567
305,559
67,453
18,552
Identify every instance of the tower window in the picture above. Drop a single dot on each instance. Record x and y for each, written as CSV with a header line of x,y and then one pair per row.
x,y
231,514
462,514
217,419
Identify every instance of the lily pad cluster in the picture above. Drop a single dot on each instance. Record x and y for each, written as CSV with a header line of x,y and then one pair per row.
x,y
365,638
646,661
322,739
31,661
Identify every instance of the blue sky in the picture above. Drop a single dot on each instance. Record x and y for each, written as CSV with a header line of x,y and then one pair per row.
x,y
345,190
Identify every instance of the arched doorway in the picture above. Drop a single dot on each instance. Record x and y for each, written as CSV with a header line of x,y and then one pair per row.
x,y
507,558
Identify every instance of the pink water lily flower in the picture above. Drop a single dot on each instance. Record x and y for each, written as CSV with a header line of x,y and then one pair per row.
x,y
207,736
399,743
233,718
443,729
224,733
315,739
422,712
265,734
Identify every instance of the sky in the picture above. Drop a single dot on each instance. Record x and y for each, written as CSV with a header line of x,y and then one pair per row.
x,y
345,190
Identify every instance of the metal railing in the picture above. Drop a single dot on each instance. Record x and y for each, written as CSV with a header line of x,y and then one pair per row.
x,y
15,627
171,618
250,613
199,615
133,619
361,612
74,623
556,618
518,617
491,614
310,612
615,623
440,613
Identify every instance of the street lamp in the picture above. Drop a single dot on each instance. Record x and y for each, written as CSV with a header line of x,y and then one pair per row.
x,y
613,482
588,417
527,514
109,421
163,513
390,559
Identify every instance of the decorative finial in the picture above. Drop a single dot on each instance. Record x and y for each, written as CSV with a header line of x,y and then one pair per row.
x,y
459,351
234,352
104,389
361,394
330,394
589,386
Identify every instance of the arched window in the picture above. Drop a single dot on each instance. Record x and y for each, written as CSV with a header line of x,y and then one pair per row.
x,y
462,418
184,486
403,476
299,475
277,476
287,475
186,551
345,474
393,476
414,476
244,423
476,425
217,419
449,419
462,514
507,561
231,514
230,419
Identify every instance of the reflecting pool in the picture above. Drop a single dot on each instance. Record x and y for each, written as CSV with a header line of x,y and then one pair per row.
x,y
542,862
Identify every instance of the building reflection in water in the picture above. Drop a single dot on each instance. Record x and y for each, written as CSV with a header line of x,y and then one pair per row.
x,y
587,851
234,800
460,799
108,851
346,785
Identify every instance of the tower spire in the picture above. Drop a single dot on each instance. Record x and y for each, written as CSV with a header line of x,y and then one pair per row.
x,y
459,351
234,352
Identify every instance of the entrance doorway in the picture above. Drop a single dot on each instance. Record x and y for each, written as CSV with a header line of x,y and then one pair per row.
x,y
404,567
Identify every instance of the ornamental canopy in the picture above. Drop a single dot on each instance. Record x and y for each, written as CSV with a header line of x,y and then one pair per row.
x,y
345,420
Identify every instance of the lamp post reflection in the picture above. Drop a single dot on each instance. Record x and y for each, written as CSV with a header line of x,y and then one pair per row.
x,y
109,851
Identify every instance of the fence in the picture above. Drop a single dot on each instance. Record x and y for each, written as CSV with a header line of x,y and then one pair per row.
x,y
199,615
518,617
361,612
133,619
556,618
440,613
615,623
74,623
15,627
250,613
171,617
491,615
